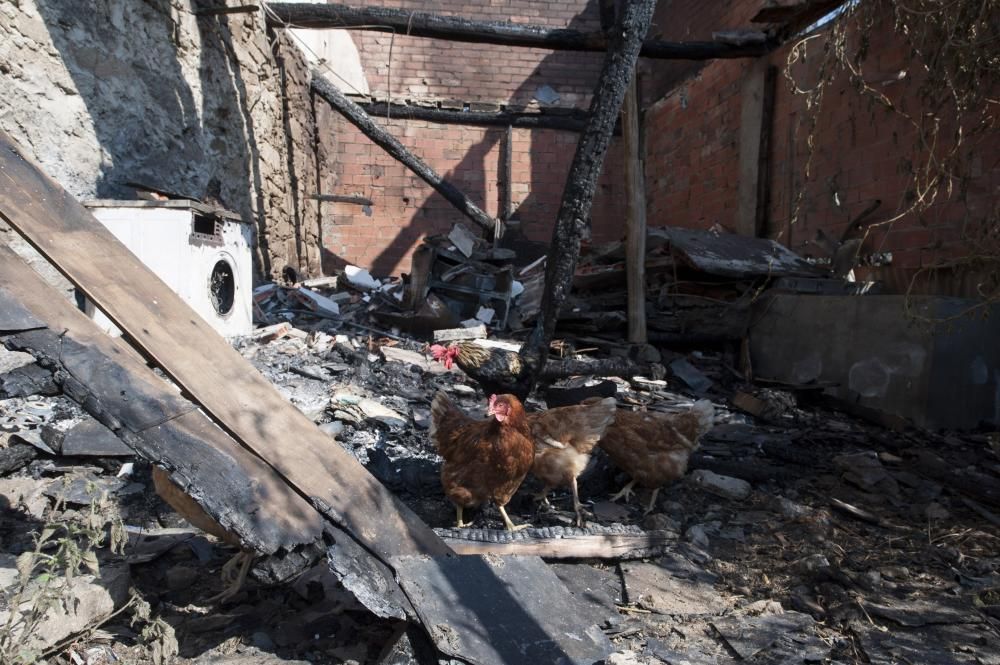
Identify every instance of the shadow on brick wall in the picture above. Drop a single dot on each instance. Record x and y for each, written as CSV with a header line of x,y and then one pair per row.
x,y
539,167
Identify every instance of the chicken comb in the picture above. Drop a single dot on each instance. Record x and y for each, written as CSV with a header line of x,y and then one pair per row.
x,y
438,351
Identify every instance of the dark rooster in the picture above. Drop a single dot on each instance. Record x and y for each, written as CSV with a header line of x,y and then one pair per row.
x,y
497,371
484,460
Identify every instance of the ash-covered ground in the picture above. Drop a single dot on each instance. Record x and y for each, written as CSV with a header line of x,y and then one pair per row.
x,y
853,543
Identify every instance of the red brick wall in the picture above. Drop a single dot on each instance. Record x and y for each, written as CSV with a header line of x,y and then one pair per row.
x,y
862,153
438,69
406,209
430,71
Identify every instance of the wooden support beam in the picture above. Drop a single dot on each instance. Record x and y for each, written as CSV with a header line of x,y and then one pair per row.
x,y
573,219
506,174
635,216
505,33
343,198
357,117
571,121
757,110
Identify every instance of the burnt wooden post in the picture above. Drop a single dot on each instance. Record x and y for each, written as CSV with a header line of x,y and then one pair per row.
x,y
635,216
506,174
357,117
574,212
458,29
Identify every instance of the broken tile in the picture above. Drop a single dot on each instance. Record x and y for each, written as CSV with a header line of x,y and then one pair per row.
x,y
748,636
653,587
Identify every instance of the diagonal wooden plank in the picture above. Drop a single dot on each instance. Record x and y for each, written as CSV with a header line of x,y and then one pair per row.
x,y
238,489
227,387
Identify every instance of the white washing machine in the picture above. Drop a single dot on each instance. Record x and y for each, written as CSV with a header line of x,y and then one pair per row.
x,y
202,253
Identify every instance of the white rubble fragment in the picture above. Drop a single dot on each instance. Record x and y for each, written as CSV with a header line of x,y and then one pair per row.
x,y
452,334
334,429
318,303
463,238
486,314
361,278
516,289
724,486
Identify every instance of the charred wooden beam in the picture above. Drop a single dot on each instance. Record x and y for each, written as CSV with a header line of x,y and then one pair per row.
x,y
572,121
635,216
505,33
357,117
573,219
343,198
506,175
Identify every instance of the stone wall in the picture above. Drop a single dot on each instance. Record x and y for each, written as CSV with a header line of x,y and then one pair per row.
x,y
206,106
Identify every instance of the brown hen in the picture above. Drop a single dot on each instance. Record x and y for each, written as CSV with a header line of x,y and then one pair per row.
x,y
654,448
564,438
484,460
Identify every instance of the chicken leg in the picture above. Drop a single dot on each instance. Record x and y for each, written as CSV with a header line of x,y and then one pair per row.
x,y
625,492
577,506
242,559
458,521
652,501
508,523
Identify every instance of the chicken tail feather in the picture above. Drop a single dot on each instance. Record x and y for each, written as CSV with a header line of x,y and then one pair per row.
x,y
445,416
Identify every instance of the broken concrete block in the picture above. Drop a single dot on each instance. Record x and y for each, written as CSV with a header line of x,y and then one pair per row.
x,y
453,334
463,239
24,494
392,353
329,282
485,314
87,601
317,302
271,333
724,486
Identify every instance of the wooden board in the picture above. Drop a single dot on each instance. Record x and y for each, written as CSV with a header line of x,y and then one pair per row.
x,y
235,487
227,387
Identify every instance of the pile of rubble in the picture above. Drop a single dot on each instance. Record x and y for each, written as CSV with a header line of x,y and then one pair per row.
x,y
799,535
774,547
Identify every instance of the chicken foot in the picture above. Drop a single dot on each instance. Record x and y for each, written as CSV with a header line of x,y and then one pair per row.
x,y
508,523
235,581
543,498
624,492
458,520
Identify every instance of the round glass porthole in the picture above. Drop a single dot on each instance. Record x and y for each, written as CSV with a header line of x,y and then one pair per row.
x,y
222,287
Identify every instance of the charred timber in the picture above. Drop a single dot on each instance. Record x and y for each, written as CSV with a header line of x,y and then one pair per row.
x,y
573,121
357,117
505,33
573,219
